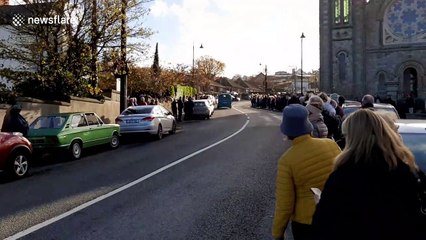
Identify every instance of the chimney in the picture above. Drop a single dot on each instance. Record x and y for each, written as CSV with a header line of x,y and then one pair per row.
x,y
4,2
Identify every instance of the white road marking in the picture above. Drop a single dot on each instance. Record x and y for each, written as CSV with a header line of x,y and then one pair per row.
x,y
120,189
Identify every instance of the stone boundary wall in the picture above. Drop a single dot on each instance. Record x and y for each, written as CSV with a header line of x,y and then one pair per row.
x,y
107,110
32,108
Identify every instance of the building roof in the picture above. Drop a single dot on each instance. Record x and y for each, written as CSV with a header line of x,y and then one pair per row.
x,y
230,83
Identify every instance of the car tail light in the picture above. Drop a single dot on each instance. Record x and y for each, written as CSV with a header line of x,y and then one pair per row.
x,y
118,120
148,119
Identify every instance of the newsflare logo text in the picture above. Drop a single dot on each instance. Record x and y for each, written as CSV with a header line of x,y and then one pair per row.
x,y
20,20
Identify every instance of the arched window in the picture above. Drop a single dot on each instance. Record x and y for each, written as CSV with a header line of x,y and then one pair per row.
x,y
341,58
342,11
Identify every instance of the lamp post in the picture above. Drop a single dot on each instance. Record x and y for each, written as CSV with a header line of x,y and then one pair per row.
x,y
265,81
193,62
301,63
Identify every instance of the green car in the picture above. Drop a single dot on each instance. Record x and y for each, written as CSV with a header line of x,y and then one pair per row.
x,y
72,132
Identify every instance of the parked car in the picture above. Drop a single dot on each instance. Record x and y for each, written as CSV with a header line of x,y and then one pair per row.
x,y
352,106
224,100
203,108
152,119
413,133
210,98
72,132
15,154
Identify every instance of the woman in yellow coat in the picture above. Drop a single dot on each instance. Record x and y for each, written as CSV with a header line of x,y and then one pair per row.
x,y
305,165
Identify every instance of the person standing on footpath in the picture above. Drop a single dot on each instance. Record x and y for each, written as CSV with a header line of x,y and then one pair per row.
x,y
305,165
180,108
174,108
15,122
372,193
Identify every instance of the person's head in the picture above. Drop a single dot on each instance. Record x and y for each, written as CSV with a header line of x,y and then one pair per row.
x,y
370,139
16,108
316,101
390,119
295,121
323,96
341,100
334,96
367,101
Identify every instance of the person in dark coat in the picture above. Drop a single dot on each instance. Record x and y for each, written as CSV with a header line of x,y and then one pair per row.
x,y
174,108
293,100
189,106
372,193
15,122
180,108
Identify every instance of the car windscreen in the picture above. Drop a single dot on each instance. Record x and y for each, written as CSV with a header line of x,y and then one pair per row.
x,y
45,122
416,142
131,111
199,104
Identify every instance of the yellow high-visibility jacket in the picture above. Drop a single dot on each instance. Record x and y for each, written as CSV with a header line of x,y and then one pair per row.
x,y
305,165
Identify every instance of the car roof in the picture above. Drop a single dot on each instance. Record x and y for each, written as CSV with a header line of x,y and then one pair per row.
x,y
64,114
411,126
142,106
383,105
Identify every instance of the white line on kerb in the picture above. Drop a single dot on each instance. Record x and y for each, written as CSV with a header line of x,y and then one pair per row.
x,y
120,189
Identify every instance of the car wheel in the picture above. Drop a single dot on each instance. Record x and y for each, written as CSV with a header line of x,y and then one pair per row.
x,y
75,149
18,164
173,131
159,134
115,141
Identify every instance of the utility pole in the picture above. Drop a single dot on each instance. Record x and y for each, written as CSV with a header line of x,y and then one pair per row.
x,y
266,78
123,65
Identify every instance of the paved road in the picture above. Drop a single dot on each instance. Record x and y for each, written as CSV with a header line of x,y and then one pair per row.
x,y
221,186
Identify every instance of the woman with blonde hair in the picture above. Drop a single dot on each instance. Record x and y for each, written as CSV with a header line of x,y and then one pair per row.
x,y
372,193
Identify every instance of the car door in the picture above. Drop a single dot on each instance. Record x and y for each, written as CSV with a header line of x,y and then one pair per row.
x,y
105,130
166,117
79,129
95,128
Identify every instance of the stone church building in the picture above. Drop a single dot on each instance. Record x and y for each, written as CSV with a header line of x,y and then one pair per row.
x,y
376,47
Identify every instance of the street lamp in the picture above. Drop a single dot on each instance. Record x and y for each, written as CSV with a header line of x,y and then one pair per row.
x,y
301,63
193,62
265,82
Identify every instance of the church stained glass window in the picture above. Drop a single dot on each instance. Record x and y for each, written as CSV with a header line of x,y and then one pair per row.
x,y
346,8
342,11
337,11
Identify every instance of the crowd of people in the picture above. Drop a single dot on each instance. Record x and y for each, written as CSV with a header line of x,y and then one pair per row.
x,y
182,107
370,182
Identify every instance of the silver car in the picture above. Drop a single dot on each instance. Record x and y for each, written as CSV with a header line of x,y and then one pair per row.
x,y
152,119
413,133
352,106
203,108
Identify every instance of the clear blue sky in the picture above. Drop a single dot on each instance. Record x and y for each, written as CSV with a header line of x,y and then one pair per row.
x,y
240,33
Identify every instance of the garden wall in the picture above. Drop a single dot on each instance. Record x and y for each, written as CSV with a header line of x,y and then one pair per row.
x,y
32,108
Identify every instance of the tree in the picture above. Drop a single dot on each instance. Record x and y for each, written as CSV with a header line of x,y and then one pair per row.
x,y
60,60
208,69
